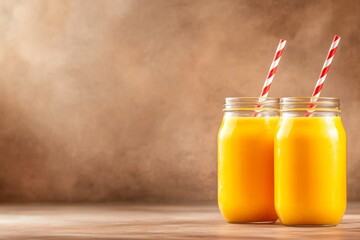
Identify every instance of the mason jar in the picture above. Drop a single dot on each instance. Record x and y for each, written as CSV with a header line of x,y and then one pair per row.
x,y
246,160
310,162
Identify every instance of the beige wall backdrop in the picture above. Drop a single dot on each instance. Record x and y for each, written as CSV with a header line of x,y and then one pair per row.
x,y
122,100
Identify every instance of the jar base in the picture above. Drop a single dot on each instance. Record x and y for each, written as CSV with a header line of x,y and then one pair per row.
x,y
310,225
255,223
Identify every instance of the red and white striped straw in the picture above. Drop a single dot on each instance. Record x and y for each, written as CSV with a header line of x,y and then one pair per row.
x,y
272,70
325,69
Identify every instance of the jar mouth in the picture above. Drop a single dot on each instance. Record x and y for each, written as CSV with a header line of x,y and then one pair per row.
x,y
310,100
250,104
230,100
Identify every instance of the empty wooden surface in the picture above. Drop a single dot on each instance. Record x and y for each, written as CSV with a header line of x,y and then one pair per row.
x,y
134,221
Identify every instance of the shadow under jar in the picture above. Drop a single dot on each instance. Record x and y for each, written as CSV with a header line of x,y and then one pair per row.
x,y
246,160
310,162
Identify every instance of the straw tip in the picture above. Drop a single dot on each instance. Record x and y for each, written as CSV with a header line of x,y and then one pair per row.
x,y
282,40
336,37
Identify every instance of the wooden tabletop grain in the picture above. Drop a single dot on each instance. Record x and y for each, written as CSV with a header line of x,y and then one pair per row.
x,y
135,221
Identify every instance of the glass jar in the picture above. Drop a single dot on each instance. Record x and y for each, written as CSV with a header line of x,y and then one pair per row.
x,y
246,160
310,162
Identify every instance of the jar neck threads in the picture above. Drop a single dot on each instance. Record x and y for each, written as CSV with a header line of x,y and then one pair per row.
x,y
309,107
251,107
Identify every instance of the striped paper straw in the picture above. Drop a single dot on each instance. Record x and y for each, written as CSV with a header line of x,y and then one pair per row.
x,y
325,69
272,70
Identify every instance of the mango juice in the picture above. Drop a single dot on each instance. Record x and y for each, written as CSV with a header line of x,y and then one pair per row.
x,y
310,170
245,169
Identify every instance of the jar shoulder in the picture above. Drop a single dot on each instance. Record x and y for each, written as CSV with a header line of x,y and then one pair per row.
x,y
311,126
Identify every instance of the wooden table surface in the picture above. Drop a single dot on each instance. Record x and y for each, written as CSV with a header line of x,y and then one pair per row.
x,y
134,221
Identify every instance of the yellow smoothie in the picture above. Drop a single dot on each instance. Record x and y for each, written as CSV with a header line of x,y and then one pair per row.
x,y
245,169
310,170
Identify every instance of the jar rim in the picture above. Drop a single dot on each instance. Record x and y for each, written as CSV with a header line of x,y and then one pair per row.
x,y
309,100
250,99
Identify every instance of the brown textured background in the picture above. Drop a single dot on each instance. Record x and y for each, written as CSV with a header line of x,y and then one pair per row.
x,y
122,100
